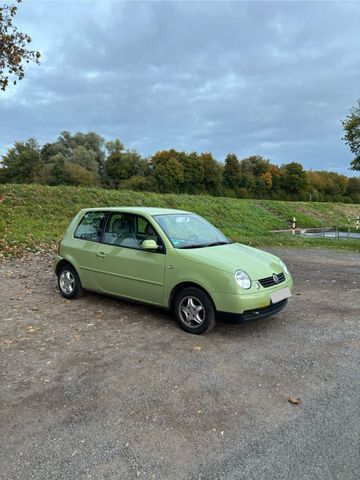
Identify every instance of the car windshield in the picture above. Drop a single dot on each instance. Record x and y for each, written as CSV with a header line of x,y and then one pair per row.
x,y
190,231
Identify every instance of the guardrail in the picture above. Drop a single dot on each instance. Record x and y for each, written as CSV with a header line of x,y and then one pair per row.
x,y
339,230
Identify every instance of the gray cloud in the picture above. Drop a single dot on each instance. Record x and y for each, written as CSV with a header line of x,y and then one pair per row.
x,y
269,78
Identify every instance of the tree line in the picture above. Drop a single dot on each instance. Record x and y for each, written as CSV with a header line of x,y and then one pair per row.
x,y
86,159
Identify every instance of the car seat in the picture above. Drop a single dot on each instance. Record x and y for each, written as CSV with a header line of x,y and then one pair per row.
x,y
123,229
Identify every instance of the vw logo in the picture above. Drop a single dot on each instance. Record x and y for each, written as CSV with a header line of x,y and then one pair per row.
x,y
275,278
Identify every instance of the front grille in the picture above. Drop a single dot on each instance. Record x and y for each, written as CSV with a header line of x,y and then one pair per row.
x,y
270,281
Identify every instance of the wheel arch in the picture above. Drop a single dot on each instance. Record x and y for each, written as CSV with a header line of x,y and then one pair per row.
x,y
180,286
62,263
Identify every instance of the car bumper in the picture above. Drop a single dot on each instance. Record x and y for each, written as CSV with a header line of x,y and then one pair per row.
x,y
249,315
252,305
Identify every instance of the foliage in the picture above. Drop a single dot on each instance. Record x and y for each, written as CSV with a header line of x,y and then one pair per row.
x,y
85,159
212,174
140,183
168,171
13,47
36,216
23,162
114,146
294,181
232,172
351,126
121,165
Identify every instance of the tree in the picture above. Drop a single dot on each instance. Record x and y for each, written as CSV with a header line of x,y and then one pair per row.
x,y
193,173
168,171
353,189
275,180
351,126
91,142
64,172
50,150
83,149
255,176
23,162
2,175
121,166
255,165
79,176
56,169
232,172
86,158
114,146
212,174
13,47
140,183
294,181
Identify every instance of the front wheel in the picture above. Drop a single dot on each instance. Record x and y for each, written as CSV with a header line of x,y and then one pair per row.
x,y
194,310
69,282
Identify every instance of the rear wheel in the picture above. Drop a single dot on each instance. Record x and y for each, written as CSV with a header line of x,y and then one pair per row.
x,y
194,310
69,282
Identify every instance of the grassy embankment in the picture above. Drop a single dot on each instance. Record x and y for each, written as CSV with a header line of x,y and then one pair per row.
x,y
34,217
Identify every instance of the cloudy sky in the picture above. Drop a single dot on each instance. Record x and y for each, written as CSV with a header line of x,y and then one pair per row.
x,y
267,78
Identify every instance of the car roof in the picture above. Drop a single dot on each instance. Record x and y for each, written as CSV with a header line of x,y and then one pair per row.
x,y
149,210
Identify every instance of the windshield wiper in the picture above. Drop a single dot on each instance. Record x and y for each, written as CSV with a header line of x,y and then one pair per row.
x,y
202,245
195,245
215,244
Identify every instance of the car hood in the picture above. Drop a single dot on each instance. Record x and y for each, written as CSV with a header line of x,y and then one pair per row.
x,y
234,256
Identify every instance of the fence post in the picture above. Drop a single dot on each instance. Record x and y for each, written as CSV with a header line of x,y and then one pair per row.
x,y
357,222
294,225
348,228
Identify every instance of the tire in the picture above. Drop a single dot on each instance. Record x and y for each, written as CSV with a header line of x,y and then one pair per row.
x,y
69,282
194,310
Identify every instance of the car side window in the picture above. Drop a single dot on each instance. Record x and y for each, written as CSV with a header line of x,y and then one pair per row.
x,y
125,230
90,226
120,230
141,225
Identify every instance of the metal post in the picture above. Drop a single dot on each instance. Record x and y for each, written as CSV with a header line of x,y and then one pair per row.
x,y
322,228
294,225
348,228
357,222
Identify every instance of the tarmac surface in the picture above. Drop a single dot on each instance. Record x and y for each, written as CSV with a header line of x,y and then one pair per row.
x,y
103,389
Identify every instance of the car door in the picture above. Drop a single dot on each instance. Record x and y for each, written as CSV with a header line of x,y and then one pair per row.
x,y
124,268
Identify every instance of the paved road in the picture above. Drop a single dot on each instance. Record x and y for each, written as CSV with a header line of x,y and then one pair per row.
x,y
98,388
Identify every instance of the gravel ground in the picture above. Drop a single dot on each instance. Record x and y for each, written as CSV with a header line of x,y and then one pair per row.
x,y
103,389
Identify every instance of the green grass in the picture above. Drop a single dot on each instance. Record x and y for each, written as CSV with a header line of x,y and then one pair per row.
x,y
33,217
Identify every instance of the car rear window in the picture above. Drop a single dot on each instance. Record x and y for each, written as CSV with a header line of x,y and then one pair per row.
x,y
90,226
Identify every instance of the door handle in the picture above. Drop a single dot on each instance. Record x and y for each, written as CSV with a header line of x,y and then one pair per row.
x,y
100,254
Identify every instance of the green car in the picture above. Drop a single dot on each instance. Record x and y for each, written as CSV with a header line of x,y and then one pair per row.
x,y
172,259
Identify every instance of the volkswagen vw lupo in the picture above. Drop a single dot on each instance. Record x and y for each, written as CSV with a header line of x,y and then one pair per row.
x,y
172,259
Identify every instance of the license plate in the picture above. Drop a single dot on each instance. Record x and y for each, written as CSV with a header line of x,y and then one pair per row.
x,y
280,295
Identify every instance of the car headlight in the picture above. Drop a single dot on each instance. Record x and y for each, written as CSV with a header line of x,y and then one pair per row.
x,y
243,279
284,267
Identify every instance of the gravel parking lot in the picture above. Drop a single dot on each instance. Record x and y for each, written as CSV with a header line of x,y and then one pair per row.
x,y
103,389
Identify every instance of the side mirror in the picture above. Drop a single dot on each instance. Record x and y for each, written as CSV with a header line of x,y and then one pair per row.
x,y
149,245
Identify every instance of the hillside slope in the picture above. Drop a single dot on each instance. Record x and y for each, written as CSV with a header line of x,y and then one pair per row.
x,y
35,216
